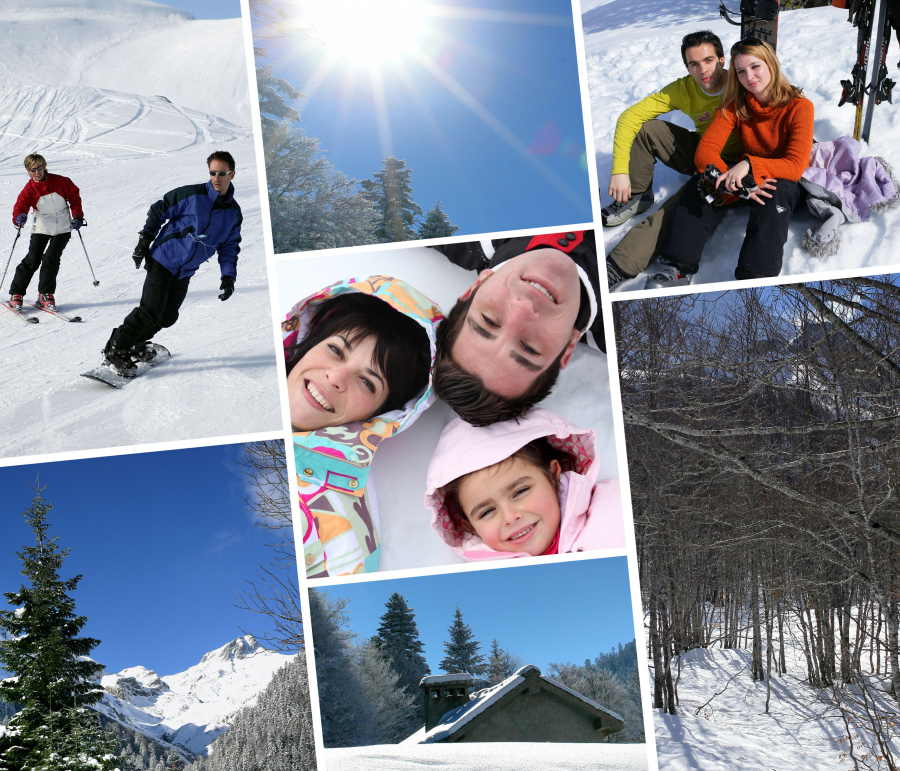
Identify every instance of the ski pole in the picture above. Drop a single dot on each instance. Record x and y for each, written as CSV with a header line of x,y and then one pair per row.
x,y
96,282
18,233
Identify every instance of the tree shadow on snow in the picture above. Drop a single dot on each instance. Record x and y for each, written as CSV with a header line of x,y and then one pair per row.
x,y
654,13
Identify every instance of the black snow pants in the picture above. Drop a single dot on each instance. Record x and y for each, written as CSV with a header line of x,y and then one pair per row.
x,y
47,261
161,298
763,247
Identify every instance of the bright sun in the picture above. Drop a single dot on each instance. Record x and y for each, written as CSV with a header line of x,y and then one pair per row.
x,y
369,30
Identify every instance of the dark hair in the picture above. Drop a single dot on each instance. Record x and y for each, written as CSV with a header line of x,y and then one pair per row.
x,y
465,392
221,155
538,452
698,38
402,351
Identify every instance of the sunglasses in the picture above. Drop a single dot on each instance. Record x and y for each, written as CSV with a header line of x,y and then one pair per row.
x,y
220,173
34,169
747,41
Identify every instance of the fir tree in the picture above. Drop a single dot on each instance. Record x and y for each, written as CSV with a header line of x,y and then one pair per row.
x,y
436,224
396,714
53,676
462,649
391,193
501,664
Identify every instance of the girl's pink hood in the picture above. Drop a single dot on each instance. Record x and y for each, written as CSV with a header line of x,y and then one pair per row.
x,y
591,510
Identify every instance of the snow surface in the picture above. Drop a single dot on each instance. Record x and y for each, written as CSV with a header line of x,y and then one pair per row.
x,y
733,731
400,467
633,48
193,707
488,756
83,93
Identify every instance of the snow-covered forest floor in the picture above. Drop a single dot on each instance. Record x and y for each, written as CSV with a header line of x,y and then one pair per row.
x,y
633,48
128,99
493,756
802,730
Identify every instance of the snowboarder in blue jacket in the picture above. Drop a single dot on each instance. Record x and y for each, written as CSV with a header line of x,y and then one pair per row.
x,y
183,230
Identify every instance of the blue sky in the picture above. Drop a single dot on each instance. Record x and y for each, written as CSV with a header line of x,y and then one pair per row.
x,y
562,612
163,541
486,88
207,9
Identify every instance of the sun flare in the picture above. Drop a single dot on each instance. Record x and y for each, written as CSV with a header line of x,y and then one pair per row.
x,y
370,31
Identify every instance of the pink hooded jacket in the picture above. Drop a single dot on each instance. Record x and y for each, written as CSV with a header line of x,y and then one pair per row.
x,y
591,510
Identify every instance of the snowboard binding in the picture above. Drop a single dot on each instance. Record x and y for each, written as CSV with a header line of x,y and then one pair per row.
x,y
715,196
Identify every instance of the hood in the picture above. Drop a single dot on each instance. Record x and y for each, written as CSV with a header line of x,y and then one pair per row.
x,y
463,449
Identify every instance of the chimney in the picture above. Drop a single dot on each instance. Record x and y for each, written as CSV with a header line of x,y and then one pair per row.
x,y
443,693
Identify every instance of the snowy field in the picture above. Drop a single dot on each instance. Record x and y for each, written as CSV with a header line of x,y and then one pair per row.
x,y
733,731
80,92
581,395
494,756
633,48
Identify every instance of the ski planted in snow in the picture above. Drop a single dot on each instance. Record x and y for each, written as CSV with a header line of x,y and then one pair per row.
x,y
107,373
880,85
58,315
854,89
20,314
759,19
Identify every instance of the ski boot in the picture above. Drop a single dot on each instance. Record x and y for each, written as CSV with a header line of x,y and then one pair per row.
x,y
121,362
46,301
15,302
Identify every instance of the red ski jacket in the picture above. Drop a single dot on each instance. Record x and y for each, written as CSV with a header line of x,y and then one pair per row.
x,y
48,198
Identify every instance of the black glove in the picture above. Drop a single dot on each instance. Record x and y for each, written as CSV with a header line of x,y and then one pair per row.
x,y
78,223
142,250
227,287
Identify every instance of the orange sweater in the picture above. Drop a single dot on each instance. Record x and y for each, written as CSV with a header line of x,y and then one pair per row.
x,y
777,140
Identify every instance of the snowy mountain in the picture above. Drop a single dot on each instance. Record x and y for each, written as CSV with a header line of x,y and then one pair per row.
x,y
633,49
128,98
191,708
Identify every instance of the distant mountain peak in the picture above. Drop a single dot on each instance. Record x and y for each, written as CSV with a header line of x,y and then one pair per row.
x,y
238,648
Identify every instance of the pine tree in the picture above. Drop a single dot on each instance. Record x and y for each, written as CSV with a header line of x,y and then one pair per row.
x,y
462,649
436,224
501,664
53,676
391,193
396,713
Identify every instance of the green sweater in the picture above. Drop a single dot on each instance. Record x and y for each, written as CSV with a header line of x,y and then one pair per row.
x,y
683,94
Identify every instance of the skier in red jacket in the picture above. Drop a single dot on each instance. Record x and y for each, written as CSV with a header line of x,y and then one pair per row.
x,y
57,206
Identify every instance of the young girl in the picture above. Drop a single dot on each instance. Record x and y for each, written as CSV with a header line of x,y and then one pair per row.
x,y
775,123
521,488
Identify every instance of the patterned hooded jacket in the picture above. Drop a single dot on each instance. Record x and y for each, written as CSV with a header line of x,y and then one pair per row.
x,y
339,512
591,510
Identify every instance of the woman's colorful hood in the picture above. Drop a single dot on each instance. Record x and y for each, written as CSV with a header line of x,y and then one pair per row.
x,y
463,449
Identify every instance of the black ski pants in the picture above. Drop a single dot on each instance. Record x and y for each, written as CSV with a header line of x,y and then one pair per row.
x,y
37,257
763,248
161,299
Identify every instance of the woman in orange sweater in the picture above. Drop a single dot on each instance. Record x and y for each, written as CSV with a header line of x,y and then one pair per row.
x,y
775,122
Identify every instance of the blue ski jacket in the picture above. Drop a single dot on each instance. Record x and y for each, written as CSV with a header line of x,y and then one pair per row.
x,y
190,224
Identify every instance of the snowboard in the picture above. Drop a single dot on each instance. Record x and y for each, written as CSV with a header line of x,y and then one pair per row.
x,y
106,373
759,19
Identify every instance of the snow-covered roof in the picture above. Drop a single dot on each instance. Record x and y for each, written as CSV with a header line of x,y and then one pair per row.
x,y
481,700
456,677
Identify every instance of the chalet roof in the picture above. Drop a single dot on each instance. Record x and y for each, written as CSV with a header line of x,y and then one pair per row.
x,y
455,719
456,677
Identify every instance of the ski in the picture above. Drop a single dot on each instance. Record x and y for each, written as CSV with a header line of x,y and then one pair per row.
x,y
58,315
854,89
759,19
880,85
108,374
20,314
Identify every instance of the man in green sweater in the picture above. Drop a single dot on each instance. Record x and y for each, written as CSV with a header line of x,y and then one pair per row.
x,y
640,140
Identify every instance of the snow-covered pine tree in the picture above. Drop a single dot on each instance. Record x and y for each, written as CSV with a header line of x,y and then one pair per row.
x,y
501,664
398,638
437,224
312,205
273,95
53,676
391,193
396,713
462,649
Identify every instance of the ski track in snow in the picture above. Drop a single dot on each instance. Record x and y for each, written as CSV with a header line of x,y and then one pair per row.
x,y
492,756
634,48
124,150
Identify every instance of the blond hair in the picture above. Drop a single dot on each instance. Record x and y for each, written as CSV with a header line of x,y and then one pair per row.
x,y
779,91
33,159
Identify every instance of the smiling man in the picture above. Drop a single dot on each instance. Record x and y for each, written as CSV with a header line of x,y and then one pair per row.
x,y
640,140
503,344
183,230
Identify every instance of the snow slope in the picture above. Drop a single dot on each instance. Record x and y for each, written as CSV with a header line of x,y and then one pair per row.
x,y
492,756
633,49
124,150
192,707
581,395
